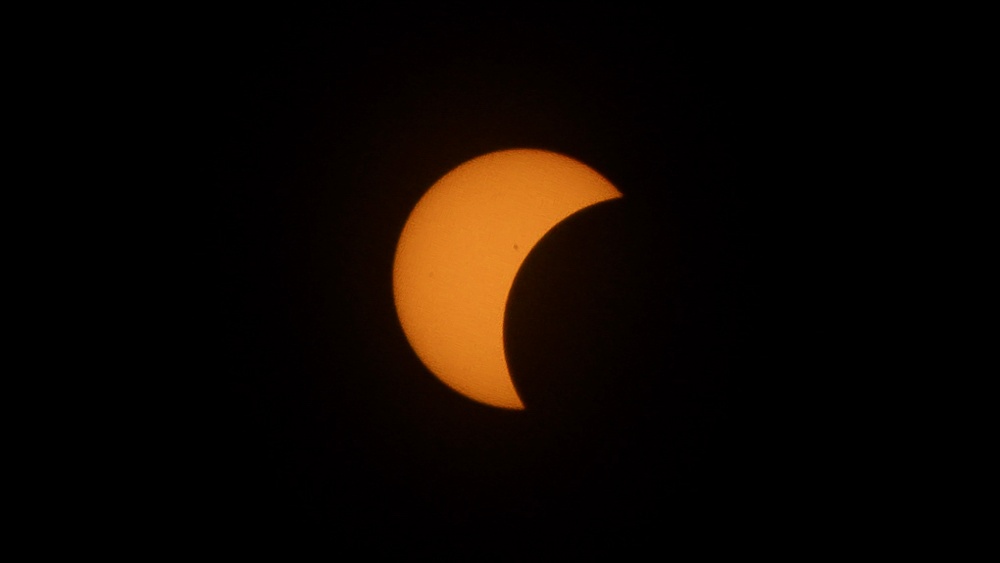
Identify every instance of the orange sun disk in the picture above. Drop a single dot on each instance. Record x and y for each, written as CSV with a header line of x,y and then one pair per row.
x,y
460,250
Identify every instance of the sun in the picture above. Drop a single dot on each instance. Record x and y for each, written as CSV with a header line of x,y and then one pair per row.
x,y
461,249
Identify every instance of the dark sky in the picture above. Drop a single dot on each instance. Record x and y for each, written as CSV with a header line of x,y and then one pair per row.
x,y
641,333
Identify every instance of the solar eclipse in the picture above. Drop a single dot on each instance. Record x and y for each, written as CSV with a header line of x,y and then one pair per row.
x,y
460,250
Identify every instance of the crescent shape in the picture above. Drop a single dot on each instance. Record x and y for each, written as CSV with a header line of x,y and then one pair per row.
x,y
460,250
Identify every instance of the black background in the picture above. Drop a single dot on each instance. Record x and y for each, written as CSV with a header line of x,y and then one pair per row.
x,y
645,335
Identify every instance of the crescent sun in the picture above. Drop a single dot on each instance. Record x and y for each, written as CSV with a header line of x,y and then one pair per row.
x,y
461,249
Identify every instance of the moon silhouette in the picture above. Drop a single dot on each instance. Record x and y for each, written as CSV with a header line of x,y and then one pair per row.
x,y
460,250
